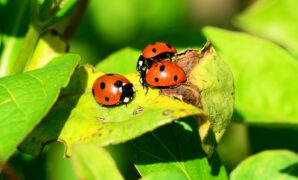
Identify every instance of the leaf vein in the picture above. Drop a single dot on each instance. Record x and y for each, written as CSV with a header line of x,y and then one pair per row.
x,y
12,97
179,164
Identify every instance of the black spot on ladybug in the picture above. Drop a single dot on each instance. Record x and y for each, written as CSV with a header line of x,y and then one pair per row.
x,y
154,50
102,85
118,83
175,78
169,46
156,79
110,74
93,92
107,99
162,68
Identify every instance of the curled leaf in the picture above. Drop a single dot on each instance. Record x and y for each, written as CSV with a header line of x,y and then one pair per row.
x,y
209,87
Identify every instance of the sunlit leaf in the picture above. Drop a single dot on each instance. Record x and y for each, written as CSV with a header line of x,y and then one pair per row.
x,y
78,118
270,164
272,19
26,98
165,175
93,162
176,148
264,74
49,45
210,86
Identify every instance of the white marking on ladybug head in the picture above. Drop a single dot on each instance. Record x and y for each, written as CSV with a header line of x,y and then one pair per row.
x,y
140,63
126,100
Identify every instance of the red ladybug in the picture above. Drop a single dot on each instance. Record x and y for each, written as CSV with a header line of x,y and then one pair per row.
x,y
163,73
158,50
112,89
153,52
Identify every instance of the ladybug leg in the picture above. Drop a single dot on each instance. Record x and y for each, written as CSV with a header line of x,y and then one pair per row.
x,y
146,90
143,81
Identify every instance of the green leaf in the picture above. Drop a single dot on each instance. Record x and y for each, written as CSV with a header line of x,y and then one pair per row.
x,y
93,162
77,118
270,164
26,98
264,75
272,19
176,148
121,62
165,175
210,86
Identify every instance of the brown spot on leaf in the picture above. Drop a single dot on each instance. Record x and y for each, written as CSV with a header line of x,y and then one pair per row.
x,y
102,119
185,92
138,110
167,112
188,60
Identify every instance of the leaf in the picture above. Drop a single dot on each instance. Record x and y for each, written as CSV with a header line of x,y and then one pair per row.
x,y
176,148
270,164
121,62
93,162
264,76
165,175
272,19
210,86
77,118
26,98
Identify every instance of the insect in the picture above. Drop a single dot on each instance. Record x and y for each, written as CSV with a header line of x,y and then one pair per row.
x,y
154,52
112,89
163,73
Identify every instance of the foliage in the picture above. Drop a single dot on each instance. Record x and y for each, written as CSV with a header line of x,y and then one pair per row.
x,y
45,91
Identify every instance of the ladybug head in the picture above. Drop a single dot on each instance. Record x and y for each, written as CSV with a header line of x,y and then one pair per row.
x,y
127,93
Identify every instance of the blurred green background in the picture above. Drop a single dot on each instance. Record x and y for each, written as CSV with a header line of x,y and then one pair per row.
x,y
108,26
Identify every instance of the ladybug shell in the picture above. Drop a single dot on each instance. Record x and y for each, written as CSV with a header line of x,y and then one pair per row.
x,y
165,73
108,89
158,48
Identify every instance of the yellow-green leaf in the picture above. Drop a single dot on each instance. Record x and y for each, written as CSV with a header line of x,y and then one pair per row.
x,y
77,118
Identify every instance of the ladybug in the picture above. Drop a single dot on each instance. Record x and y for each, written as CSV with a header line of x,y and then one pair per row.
x,y
163,73
153,52
112,89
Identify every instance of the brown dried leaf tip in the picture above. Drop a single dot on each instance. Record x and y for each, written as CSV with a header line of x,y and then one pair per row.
x,y
188,92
